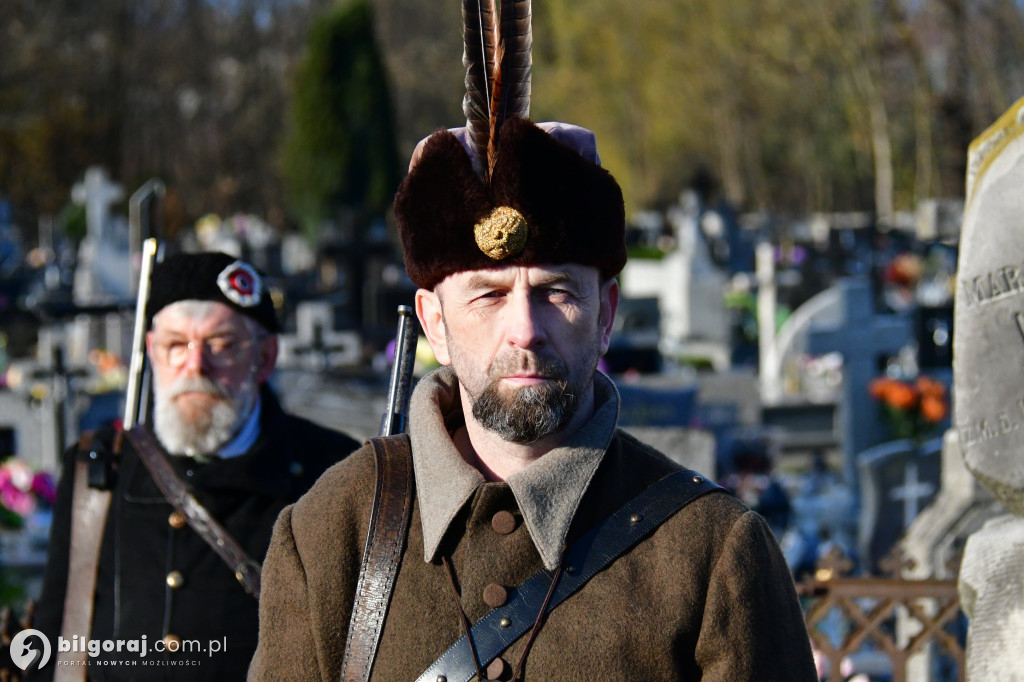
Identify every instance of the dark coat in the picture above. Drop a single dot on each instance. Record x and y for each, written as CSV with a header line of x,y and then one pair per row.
x,y
140,548
707,596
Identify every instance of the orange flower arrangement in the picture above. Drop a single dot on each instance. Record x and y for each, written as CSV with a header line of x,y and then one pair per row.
x,y
913,409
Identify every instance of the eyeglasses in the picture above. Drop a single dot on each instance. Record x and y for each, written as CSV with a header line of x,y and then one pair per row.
x,y
219,352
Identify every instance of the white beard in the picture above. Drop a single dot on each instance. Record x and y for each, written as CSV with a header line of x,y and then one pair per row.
x,y
207,432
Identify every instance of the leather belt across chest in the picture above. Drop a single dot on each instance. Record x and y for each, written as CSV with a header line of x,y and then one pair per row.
x,y
247,570
585,558
389,523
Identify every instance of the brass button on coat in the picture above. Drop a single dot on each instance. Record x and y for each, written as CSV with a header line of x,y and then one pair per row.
x,y
177,520
175,580
495,595
496,669
172,643
504,522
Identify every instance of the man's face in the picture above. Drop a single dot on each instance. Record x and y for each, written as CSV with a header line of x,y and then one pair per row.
x,y
523,340
208,362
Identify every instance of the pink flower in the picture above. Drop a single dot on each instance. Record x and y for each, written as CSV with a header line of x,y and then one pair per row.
x,y
16,500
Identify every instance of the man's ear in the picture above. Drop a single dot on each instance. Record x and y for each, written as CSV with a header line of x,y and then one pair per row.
x,y
428,310
609,304
266,358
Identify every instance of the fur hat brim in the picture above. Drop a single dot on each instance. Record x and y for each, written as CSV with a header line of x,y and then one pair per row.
x,y
573,208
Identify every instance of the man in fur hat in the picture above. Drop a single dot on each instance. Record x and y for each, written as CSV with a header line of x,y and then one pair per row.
x,y
159,582
564,539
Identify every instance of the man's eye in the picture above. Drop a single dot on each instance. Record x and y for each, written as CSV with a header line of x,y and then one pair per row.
x,y
221,346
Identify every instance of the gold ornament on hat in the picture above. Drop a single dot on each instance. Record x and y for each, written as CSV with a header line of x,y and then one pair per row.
x,y
502,233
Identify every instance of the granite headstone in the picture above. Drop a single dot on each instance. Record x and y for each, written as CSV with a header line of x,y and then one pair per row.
x,y
988,375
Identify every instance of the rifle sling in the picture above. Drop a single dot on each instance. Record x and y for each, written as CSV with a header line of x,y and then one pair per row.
x,y
586,557
382,556
89,508
247,570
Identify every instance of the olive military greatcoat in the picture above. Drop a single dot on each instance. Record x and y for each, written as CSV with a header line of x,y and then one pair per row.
x,y
707,596
158,578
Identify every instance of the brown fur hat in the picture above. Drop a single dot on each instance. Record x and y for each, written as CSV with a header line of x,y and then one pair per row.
x,y
572,207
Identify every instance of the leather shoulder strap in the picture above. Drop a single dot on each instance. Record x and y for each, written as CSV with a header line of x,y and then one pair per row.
x,y
587,556
247,570
89,508
385,540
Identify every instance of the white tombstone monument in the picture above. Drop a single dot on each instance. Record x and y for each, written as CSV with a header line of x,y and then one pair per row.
x,y
97,193
988,375
936,538
689,287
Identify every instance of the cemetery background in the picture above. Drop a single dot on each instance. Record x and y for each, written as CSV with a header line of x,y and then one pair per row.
x,y
769,284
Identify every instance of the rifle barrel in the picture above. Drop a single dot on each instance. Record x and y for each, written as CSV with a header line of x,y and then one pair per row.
x,y
400,388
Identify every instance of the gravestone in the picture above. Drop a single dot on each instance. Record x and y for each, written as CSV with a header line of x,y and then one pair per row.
x,y
29,429
297,256
897,480
689,288
635,338
939,219
661,416
988,372
780,371
649,406
862,337
97,193
688,447
354,407
935,540
729,407
316,345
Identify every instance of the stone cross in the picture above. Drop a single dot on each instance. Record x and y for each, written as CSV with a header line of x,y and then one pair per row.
x,y
316,346
98,193
911,492
862,337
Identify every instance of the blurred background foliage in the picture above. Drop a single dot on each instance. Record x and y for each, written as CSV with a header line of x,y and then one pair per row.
x,y
339,151
289,108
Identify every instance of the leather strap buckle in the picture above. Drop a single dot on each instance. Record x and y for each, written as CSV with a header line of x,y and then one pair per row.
x,y
248,573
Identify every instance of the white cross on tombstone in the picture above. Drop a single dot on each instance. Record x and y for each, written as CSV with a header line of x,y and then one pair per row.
x,y
97,192
316,345
911,492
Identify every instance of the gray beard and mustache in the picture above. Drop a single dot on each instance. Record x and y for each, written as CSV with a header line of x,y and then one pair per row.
x,y
527,414
207,430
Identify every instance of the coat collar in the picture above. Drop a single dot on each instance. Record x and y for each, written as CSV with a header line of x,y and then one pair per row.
x,y
548,491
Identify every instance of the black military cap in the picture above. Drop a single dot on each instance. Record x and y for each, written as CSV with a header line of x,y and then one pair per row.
x,y
212,277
